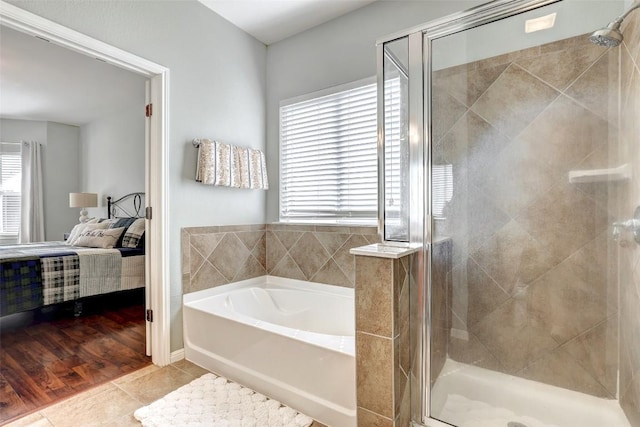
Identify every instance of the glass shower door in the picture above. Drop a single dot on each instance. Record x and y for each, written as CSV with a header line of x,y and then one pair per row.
x,y
527,177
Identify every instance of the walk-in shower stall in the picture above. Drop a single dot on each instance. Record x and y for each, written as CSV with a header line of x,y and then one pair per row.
x,y
510,152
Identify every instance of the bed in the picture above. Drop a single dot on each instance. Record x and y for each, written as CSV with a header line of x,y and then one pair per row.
x,y
105,256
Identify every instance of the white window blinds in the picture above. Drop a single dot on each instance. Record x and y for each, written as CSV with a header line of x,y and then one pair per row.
x,y
328,152
10,184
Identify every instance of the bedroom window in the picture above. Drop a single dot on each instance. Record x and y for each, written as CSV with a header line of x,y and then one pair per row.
x,y
328,155
10,183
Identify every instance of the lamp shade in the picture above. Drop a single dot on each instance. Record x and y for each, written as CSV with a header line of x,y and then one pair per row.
x,y
83,200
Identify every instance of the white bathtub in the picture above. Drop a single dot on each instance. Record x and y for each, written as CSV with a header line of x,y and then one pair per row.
x,y
288,339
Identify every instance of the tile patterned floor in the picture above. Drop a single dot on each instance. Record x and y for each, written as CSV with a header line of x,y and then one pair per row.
x,y
112,404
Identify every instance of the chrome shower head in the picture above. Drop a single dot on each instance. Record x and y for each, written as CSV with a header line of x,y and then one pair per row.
x,y
611,36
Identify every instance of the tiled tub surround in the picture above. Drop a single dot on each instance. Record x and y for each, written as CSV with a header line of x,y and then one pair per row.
x,y
382,341
630,254
216,255
534,292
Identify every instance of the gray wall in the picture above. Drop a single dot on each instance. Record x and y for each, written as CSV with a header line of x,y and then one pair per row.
x,y
112,154
340,51
60,168
217,90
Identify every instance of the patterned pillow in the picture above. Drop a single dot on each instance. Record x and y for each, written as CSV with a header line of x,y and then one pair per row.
x,y
101,238
121,222
79,228
134,236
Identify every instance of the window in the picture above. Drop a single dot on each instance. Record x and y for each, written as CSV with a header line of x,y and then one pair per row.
x,y
10,183
442,188
329,158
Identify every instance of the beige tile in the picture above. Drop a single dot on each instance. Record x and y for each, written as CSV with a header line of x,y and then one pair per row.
x,y
275,251
185,248
332,241
205,243
259,252
513,257
207,277
482,293
597,88
371,419
558,368
288,268
155,385
33,420
196,260
473,352
342,229
250,238
345,260
331,274
471,219
374,373
190,368
564,134
470,145
251,268
513,336
309,254
103,404
502,106
374,295
468,83
446,112
288,238
517,177
596,351
229,256
564,219
567,301
626,71
400,379
561,67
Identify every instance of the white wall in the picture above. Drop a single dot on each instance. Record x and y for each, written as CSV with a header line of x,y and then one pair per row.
x,y
60,168
112,154
217,90
340,51
61,176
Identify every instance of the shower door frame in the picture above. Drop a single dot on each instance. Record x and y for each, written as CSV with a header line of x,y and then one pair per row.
x,y
420,141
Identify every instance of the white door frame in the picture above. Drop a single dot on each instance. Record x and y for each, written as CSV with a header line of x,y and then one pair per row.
x,y
157,145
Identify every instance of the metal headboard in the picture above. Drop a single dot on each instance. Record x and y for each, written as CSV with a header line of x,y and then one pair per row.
x,y
129,205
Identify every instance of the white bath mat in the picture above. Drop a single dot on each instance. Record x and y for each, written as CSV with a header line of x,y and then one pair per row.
x,y
214,401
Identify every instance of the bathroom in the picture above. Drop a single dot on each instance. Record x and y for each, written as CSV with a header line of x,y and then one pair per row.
x,y
521,258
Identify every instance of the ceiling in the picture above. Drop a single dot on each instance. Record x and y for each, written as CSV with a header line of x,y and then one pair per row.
x,y
273,20
42,81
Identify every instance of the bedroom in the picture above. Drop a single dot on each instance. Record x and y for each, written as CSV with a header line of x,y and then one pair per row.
x,y
88,118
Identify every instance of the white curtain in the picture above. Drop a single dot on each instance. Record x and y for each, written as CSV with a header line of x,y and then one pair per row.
x,y
32,213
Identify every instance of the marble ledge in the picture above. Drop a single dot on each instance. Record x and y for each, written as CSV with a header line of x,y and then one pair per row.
x,y
384,251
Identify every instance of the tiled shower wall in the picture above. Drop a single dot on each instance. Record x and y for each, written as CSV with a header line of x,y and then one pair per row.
x,y
630,253
532,295
213,256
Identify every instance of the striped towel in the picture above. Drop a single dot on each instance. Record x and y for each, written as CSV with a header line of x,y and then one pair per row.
x,y
231,166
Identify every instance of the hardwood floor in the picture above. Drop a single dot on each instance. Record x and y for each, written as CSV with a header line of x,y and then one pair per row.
x,y
49,355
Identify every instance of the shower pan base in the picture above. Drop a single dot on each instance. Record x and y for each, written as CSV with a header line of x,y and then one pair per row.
x,y
469,396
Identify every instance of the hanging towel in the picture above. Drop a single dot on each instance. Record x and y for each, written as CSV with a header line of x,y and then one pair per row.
x,y
231,166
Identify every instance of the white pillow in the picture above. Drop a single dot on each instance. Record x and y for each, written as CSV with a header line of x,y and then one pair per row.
x,y
79,228
99,238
